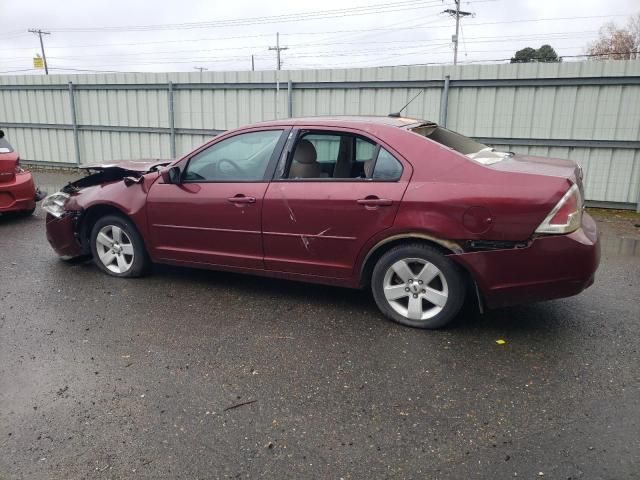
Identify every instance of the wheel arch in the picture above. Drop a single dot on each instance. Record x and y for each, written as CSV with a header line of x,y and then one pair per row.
x,y
446,247
91,215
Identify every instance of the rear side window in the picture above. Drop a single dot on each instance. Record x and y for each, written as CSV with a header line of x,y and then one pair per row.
x,y
340,156
364,150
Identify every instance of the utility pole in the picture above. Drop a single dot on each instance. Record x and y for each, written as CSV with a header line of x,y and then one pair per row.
x,y
456,13
201,69
253,67
44,57
278,48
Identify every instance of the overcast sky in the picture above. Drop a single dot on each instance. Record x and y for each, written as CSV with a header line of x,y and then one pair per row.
x,y
170,35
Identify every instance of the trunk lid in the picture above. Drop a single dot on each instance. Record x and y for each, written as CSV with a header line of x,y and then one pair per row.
x,y
550,167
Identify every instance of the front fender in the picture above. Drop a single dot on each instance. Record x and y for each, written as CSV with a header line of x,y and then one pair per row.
x,y
128,197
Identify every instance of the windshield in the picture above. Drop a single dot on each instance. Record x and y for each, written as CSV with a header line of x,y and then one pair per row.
x,y
476,151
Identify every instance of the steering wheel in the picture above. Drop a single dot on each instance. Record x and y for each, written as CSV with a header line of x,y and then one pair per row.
x,y
235,166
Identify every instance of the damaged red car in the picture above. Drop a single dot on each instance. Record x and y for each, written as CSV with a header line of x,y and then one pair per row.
x,y
18,194
423,216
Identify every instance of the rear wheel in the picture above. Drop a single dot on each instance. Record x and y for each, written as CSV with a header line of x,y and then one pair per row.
x,y
416,285
118,248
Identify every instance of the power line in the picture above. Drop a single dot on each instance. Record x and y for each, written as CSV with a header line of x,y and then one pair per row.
x,y
368,30
294,17
20,70
301,46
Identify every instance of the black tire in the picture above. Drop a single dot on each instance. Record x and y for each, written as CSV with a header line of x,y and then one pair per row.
x,y
450,277
138,264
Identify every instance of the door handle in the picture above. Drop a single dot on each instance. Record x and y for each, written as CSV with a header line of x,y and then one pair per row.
x,y
241,199
373,201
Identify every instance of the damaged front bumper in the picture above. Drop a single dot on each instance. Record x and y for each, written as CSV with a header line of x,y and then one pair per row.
x,y
62,235
551,266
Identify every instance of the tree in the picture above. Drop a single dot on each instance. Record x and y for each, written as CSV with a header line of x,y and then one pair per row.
x,y
634,29
524,56
545,53
615,43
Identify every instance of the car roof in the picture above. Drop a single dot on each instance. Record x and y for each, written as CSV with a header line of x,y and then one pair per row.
x,y
347,121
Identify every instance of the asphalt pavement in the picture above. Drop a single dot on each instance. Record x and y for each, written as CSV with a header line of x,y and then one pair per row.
x,y
197,374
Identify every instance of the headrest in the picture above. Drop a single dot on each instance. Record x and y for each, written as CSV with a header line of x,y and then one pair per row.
x,y
305,152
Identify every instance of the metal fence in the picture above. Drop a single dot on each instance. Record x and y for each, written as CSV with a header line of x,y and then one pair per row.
x,y
586,111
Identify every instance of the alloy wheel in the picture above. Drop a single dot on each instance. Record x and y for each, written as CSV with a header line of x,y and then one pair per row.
x,y
115,249
415,288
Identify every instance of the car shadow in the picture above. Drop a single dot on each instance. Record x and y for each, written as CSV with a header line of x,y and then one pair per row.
x,y
526,318
17,218
266,286
546,318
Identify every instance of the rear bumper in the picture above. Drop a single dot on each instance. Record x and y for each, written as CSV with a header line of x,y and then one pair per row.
x,y
61,235
553,266
19,194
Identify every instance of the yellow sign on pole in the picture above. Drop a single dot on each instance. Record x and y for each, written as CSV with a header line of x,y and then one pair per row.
x,y
38,62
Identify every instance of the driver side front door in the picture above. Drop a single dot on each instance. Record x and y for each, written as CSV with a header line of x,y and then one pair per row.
x,y
213,216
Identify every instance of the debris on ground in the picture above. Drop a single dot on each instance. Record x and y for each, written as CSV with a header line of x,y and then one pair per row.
x,y
240,405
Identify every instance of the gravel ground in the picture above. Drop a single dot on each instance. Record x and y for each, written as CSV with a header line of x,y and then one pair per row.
x,y
196,374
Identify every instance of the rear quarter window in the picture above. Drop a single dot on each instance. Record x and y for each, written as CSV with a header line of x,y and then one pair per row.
x,y
387,167
4,146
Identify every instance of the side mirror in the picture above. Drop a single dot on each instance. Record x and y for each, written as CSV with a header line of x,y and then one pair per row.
x,y
171,175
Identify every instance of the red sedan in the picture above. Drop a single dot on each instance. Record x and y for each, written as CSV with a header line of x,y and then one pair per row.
x,y
18,194
423,216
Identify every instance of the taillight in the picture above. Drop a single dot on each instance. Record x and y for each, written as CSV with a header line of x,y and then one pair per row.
x,y
18,167
566,216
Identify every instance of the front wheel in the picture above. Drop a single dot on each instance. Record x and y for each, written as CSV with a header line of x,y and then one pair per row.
x,y
117,247
416,285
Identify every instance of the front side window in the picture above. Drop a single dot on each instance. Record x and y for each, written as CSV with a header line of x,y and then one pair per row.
x,y
241,158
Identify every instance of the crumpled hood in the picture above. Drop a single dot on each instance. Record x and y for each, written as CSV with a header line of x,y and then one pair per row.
x,y
129,171
138,166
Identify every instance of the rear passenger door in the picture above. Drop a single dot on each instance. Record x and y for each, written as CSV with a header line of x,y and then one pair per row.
x,y
328,200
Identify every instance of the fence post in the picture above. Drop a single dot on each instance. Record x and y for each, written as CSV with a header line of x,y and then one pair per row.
x,y
444,102
172,125
289,99
74,122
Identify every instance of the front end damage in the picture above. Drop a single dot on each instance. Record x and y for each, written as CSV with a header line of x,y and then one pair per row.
x,y
119,187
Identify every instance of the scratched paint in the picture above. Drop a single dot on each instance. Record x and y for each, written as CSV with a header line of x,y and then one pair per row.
x,y
292,215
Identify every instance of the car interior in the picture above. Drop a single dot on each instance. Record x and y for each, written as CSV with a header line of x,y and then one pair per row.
x,y
332,156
